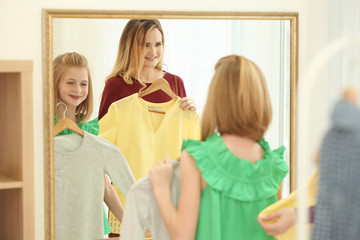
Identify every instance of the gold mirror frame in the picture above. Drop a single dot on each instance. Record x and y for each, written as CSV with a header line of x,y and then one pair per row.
x,y
50,14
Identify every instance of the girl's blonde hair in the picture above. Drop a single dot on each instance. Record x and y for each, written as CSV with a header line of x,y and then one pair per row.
x,y
61,65
238,100
130,58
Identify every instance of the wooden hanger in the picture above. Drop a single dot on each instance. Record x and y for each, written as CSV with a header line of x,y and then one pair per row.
x,y
159,84
66,123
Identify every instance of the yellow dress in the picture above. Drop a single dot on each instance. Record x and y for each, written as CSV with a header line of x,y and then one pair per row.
x,y
290,202
146,137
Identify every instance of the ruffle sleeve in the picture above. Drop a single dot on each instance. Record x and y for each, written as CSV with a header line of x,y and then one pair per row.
x,y
235,177
91,126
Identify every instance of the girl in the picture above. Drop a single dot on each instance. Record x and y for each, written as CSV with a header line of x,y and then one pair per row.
x,y
73,88
229,176
139,63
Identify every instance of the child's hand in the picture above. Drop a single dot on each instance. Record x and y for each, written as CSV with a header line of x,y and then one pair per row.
x,y
160,175
279,221
187,103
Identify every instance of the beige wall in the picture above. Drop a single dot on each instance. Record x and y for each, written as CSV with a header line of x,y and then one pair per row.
x,y
21,38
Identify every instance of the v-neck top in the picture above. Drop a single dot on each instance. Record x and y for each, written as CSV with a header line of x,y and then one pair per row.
x,y
79,167
236,191
129,125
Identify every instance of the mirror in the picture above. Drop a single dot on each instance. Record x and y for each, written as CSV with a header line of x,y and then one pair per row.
x,y
194,41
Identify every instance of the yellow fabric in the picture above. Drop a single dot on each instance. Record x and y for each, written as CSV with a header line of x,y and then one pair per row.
x,y
156,119
146,137
290,202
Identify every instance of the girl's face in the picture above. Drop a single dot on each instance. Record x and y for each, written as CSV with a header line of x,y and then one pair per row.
x,y
74,86
153,48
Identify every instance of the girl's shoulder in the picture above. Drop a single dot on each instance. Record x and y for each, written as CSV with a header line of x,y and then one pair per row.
x,y
237,178
90,126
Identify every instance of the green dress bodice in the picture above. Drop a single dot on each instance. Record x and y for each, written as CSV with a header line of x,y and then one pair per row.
x,y
236,191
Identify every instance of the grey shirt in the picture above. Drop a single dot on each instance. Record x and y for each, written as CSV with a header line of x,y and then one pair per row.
x,y
142,211
337,209
80,165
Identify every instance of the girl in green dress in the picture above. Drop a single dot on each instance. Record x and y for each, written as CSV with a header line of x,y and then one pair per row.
x,y
74,100
229,176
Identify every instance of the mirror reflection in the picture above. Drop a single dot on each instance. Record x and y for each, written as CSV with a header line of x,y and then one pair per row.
x,y
191,48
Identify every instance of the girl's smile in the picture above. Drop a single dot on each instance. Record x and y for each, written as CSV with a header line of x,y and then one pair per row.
x,y
73,87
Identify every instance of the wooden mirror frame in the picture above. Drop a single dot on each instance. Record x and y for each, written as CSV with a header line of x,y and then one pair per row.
x,y
48,88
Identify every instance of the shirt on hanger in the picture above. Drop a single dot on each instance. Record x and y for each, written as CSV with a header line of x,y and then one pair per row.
x,y
130,126
80,165
146,137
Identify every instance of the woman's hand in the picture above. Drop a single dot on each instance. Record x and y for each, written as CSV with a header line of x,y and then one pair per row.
x,y
280,221
160,175
187,103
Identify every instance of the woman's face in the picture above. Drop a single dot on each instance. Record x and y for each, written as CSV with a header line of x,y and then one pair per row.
x,y
153,48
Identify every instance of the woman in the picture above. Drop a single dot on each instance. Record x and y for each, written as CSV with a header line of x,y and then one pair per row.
x,y
139,63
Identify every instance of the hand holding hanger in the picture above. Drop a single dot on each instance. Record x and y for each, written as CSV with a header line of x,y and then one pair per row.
x,y
188,104
66,123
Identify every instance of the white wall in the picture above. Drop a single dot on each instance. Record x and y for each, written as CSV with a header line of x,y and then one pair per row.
x,y
21,38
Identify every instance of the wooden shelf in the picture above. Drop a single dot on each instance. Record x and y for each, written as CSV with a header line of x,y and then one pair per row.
x,y
8,183
16,151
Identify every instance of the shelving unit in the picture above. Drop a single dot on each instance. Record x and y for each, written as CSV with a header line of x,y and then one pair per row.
x,y
16,151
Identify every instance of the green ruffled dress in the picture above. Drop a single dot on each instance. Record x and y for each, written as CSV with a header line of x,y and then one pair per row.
x,y
93,128
236,190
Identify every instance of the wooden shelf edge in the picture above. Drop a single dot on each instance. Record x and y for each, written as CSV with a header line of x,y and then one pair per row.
x,y
8,183
8,66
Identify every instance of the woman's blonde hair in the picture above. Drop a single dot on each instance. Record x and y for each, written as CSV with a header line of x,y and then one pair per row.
x,y
61,64
130,58
238,100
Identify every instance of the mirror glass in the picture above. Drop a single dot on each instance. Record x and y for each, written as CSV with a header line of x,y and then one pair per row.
x,y
192,46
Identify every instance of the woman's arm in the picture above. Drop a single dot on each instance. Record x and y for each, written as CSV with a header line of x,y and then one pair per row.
x,y
181,223
112,200
111,93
